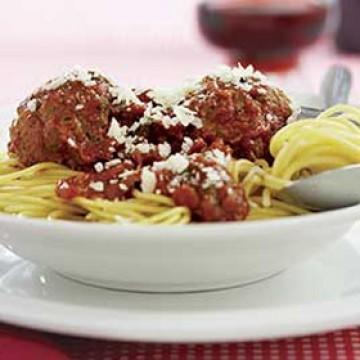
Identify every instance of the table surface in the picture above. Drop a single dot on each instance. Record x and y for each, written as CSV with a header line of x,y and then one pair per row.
x,y
21,344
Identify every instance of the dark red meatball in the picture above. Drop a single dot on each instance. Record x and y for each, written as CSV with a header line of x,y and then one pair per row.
x,y
66,121
206,188
245,118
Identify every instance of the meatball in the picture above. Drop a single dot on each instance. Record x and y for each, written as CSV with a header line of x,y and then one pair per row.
x,y
67,120
205,187
243,111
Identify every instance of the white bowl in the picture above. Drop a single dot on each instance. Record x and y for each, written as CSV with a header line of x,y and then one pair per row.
x,y
174,258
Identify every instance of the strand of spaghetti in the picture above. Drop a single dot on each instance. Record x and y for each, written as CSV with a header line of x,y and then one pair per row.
x,y
286,206
60,214
291,150
96,208
129,205
341,108
164,216
316,164
161,199
27,172
266,200
267,213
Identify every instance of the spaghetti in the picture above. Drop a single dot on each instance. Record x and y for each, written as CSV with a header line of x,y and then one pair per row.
x,y
299,149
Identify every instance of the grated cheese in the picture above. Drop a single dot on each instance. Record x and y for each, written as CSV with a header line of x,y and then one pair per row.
x,y
86,77
99,167
112,163
124,95
144,148
32,105
166,97
123,187
79,107
64,185
97,186
186,117
181,115
126,174
176,163
71,142
218,156
148,180
214,177
238,76
117,132
187,144
269,117
164,149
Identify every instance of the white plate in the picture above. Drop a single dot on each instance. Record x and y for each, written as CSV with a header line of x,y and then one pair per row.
x,y
322,294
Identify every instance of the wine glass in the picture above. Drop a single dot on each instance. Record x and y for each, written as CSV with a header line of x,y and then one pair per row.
x,y
269,34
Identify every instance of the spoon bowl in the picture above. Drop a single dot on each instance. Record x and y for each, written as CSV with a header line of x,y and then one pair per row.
x,y
331,189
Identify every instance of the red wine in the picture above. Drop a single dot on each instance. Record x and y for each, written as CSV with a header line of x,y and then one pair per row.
x,y
268,33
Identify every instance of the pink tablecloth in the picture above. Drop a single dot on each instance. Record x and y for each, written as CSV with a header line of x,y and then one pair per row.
x,y
20,344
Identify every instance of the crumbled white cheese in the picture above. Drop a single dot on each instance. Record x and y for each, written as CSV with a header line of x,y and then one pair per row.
x,y
151,114
218,156
214,177
164,149
186,117
99,167
166,97
32,105
112,163
76,74
143,148
148,180
123,187
169,97
269,117
181,115
187,144
97,186
126,174
191,86
113,181
117,132
124,95
64,185
71,142
176,163
173,184
79,107
237,76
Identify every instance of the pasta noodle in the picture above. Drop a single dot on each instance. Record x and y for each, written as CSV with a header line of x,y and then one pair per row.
x,y
300,149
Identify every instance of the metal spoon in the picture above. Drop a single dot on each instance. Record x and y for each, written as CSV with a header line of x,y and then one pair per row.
x,y
334,89
334,188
